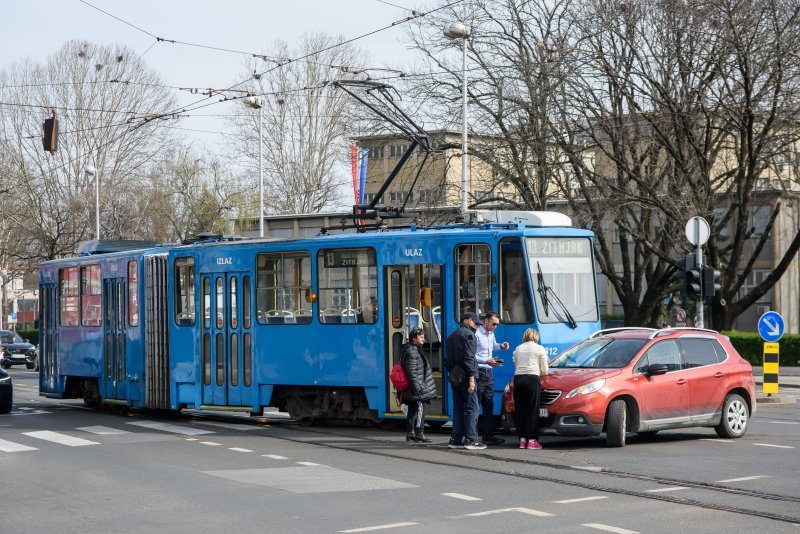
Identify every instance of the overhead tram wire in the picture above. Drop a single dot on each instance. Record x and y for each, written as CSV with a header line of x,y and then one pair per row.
x,y
311,54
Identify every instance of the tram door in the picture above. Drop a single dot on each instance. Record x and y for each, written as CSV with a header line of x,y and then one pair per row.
x,y
48,338
226,353
115,380
414,299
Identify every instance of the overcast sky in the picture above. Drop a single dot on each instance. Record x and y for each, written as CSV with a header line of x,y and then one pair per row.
x,y
36,28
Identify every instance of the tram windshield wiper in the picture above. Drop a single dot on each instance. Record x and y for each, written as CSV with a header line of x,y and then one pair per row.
x,y
544,290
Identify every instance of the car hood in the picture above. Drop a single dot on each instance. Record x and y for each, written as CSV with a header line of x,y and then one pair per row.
x,y
567,378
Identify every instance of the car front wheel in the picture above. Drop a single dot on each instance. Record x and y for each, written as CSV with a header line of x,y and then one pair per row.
x,y
735,416
616,423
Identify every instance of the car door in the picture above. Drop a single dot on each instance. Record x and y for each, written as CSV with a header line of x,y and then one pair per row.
x,y
663,399
706,377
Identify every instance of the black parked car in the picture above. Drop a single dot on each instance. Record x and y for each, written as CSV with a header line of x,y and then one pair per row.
x,y
16,351
6,391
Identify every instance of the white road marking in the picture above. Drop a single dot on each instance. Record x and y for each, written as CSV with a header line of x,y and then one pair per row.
x,y
274,456
190,439
378,527
10,446
609,528
239,449
307,463
61,439
771,445
175,429
34,412
25,408
742,479
582,499
102,430
461,496
712,440
671,488
504,510
210,443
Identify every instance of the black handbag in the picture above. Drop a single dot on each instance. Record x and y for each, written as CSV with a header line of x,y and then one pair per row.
x,y
457,376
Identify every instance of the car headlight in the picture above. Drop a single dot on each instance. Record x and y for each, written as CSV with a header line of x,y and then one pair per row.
x,y
585,389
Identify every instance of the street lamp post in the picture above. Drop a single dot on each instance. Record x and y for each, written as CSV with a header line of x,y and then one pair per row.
x,y
459,30
256,102
91,171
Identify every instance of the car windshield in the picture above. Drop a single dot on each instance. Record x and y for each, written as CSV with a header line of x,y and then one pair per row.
x,y
10,337
604,352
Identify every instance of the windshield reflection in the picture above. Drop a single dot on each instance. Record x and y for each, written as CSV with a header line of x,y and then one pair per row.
x,y
605,353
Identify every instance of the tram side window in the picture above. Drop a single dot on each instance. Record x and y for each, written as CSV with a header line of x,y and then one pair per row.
x,y
184,292
474,279
348,286
515,295
68,296
90,295
133,294
281,283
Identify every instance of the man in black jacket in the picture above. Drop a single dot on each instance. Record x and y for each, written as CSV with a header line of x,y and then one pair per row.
x,y
460,352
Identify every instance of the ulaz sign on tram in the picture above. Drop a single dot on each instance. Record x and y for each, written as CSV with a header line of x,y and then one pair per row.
x,y
770,327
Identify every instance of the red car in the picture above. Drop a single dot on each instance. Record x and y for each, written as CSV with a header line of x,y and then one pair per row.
x,y
644,380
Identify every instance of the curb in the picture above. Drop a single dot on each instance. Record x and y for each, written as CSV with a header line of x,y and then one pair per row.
x,y
776,399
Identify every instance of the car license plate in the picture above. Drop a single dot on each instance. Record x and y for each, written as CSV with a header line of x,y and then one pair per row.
x,y
543,412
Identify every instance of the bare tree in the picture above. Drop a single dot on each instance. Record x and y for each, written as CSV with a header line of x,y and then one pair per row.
x,y
306,123
101,94
191,195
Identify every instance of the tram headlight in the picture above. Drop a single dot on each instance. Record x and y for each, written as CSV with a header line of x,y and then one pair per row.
x,y
586,389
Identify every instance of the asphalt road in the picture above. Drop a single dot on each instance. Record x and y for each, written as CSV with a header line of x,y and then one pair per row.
x,y
66,469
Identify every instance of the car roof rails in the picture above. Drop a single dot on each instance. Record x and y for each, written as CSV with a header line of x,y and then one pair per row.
x,y
665,331
621,329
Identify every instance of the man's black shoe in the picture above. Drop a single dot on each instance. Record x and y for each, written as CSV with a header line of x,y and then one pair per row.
x,y
422,438
493,440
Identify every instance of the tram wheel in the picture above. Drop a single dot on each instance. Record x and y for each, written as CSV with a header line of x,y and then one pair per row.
x,y
306,421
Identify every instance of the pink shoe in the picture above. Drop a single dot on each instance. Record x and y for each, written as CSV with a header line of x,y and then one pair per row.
x,y
534,444
523,443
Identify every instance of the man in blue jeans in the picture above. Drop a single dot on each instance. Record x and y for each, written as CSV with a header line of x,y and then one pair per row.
x,y
460,352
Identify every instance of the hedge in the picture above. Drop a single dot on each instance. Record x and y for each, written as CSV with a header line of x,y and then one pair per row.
x,y
751,347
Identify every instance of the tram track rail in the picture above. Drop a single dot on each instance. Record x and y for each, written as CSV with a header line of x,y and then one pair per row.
x,y
489,464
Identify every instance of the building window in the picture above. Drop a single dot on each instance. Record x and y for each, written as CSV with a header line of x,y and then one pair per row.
x,y
369,197
91,289
376,152
398,197
755,278
281,282
395,151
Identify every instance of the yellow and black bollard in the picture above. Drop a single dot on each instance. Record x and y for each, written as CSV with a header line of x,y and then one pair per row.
x,y
770,384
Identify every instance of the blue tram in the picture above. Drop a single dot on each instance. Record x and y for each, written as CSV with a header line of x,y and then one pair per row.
x,y
311,326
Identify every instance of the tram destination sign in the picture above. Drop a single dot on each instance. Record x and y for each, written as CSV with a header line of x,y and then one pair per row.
x,y
349,258
558,247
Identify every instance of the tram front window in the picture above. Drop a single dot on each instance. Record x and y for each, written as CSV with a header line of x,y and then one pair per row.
x,y
563,279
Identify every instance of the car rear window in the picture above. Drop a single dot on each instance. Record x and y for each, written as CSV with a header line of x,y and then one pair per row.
x,y
698,352
607,353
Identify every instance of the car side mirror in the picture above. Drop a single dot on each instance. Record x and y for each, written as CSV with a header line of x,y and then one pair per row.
x,y
656,369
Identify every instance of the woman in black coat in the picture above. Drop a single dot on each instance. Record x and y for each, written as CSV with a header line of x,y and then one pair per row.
x,y
421,388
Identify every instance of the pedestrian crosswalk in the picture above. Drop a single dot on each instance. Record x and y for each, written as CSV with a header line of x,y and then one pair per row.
x,y
77,437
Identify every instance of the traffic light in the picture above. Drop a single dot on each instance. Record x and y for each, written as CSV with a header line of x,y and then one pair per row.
x,y
50,134
694,283
710,282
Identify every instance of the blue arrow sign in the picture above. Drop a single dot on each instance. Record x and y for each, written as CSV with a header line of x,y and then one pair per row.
x,y
770,326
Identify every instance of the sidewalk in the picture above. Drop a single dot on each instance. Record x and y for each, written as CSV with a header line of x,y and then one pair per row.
x,y
788,377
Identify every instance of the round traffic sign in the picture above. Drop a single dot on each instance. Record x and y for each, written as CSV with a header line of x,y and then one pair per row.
x,y
771,326
697,231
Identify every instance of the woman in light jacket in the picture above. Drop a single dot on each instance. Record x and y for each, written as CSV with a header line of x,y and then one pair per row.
x,y
530,362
